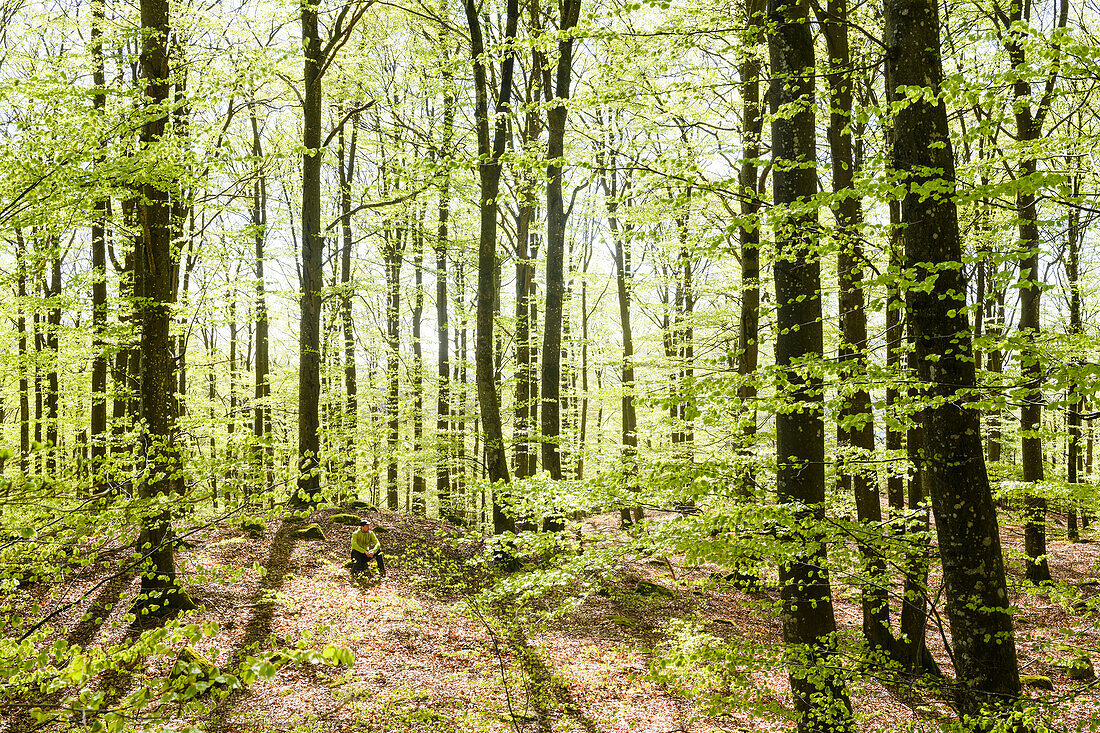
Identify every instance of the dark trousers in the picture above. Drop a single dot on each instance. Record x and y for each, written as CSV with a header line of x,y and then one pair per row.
x,y
361,561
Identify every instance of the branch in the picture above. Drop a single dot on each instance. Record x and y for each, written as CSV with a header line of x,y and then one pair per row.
x,y
340,125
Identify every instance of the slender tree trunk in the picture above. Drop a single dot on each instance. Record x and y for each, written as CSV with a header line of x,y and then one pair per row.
x,y
443,360
557,96
261,415
490,152
21,329
954,473
748,348
809,626
209,341
351,385
526,254
419,483
53,349
621,234
855,429
1029,127
1074,399
393,254
98,432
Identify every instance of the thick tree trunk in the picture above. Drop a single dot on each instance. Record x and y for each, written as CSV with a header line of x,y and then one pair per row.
x,y
309,355
809,626
954,473
157,268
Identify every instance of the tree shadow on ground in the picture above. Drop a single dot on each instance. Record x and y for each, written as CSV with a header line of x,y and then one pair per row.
x,y
546,693
264,605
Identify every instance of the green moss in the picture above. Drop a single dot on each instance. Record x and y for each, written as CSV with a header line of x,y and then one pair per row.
x,y
348,519
310,532
647,588
1039,681
623,621
254,526
1078,667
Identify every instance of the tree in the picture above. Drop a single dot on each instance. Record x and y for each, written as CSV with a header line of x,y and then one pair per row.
x,y
316,61
162,473
984,649
809,626
490,151
557,96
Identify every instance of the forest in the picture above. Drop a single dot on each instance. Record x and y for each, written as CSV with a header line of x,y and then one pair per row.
x,y
701,367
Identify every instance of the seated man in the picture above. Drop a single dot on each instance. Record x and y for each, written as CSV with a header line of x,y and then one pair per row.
x,y
364,546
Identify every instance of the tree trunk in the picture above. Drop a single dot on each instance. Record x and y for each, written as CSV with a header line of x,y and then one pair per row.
x,y
419,484
1074,400
617,192
157,269
21,329
98,432
809,626
490,152
748,348
261,416
954,468
550,379
855,428
309,355
351,385
393,254
1029,126
526,254
443,360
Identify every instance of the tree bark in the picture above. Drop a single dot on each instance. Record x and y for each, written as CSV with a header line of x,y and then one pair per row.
x,y
419,483
98,432
261,416
309,355
490,152
809,626
855,428
1075,400
351,384
443,359
158,269
1029,126
21,329
617,192
984,653
557,99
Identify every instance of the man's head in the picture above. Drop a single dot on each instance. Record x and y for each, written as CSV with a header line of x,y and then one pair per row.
x,y
366,525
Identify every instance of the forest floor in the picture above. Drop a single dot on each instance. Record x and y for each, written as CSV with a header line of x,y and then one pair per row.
x,y
428,655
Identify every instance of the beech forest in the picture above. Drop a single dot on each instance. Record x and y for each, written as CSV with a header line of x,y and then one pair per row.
x,y
387,366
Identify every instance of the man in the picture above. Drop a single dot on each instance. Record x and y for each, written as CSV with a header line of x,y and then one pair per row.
x,y
364,546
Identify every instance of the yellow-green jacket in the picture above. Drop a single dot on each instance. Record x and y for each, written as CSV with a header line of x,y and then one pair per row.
x,y
365,542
